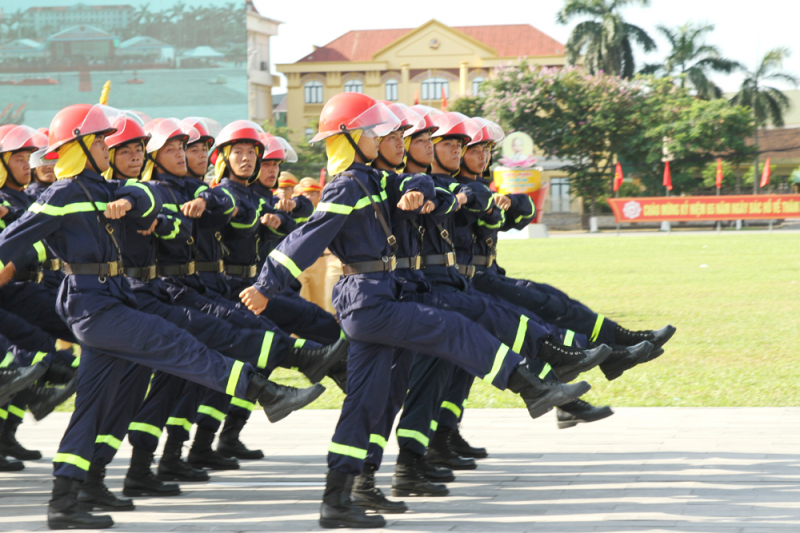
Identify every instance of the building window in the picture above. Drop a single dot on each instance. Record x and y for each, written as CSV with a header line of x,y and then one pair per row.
x,y
313,92
391,90
354,86
560,200
432,88
476,86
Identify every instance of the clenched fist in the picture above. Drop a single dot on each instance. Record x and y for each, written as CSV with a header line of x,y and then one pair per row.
x,y
117,209
254,300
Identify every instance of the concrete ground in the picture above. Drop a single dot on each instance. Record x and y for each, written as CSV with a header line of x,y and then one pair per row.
x,y
715,470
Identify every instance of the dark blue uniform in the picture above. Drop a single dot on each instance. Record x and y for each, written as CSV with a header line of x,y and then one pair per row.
x,y
102,310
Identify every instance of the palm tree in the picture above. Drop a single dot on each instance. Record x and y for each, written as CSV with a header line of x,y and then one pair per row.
x,y
607,38
691,60
768,103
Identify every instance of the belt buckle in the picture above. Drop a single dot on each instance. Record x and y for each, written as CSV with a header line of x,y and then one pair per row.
x,y
39,276
392,263
220,267
490,260
417,264
190,268
113,268
251,271
151,272
470,271
450,259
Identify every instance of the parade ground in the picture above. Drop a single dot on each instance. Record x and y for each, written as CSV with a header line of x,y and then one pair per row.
x,y
644,470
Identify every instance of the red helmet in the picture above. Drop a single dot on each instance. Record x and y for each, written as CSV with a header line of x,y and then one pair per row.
x,y
452,125
22,138
484,131
277,148
410,121
206,127
237,131
167,129
45,131
79,120
428,114
346,112
128,130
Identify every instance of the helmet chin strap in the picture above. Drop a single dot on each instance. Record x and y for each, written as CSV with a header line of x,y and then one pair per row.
x,y
439,162
88,155
8,171
465,166
360,154
249,179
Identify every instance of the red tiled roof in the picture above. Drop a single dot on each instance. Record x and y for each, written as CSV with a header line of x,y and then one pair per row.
x,y
511,40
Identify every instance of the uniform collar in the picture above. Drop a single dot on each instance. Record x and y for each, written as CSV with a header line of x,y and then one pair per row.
x,y
227,182
92,175
168,178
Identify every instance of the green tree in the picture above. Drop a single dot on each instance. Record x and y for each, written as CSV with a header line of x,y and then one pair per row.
x,y
766,102
606,39
691,60
472,106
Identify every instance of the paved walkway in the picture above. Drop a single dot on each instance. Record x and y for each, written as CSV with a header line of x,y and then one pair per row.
x,y
642,470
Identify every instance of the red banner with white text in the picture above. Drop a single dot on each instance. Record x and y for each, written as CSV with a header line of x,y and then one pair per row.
x,y
687,208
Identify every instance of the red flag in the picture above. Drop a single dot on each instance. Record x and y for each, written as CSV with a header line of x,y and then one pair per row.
x,y
416,97
444,100
719,173
322,174
667,177
618,177
765,175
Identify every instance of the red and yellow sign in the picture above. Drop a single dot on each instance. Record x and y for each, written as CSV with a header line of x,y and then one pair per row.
x,y
687,208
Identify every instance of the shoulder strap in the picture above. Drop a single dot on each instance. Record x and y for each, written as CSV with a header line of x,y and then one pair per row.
x,y
101,218
389,237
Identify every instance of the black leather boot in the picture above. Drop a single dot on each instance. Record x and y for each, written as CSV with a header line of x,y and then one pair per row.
x,y
624,358
338,373
60,373
278,401
440,453
230,445
568,361
541,396
94,493
580,412
10,446
462,447
657,337
140,480
369,497
13,380
63,511
10,466
315,363
437,473
338,510
409,477
172,467
202,455
44,400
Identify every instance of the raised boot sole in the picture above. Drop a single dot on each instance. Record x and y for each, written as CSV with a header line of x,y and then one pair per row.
x,y
565,424
249,455
285,410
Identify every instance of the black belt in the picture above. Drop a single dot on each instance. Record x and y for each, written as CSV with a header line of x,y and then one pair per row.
x,y
414,263
468,271
145,274
386,264
112,269
186,269
28,275
483,260
448,259
242,271
217,267
52,264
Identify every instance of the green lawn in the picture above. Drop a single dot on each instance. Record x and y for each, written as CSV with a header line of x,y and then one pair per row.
x,y
735,299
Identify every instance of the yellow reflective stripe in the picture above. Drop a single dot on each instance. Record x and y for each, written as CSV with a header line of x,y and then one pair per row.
x,y
80,462
170,207
7,360
69,209
233,200
146,189
341,334
498,363
38,357
301,220
299,343
383,179
434,425
41,251
145,428
76,362
2,265
286,261
350,451
546,370
569,337
16,411
210,411
522,329
111,440
491,226
597,325
339,209
456,410
403,183
233,379
182,422
377,439
244,404
411,434
3,414
174,232
452,186
364,202
266,346
203,188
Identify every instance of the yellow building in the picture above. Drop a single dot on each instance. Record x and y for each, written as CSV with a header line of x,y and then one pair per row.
x,y
409,65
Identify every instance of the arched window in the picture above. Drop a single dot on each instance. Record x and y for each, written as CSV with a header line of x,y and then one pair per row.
x,y
354,86
391,90
313,92
432,88
476,86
